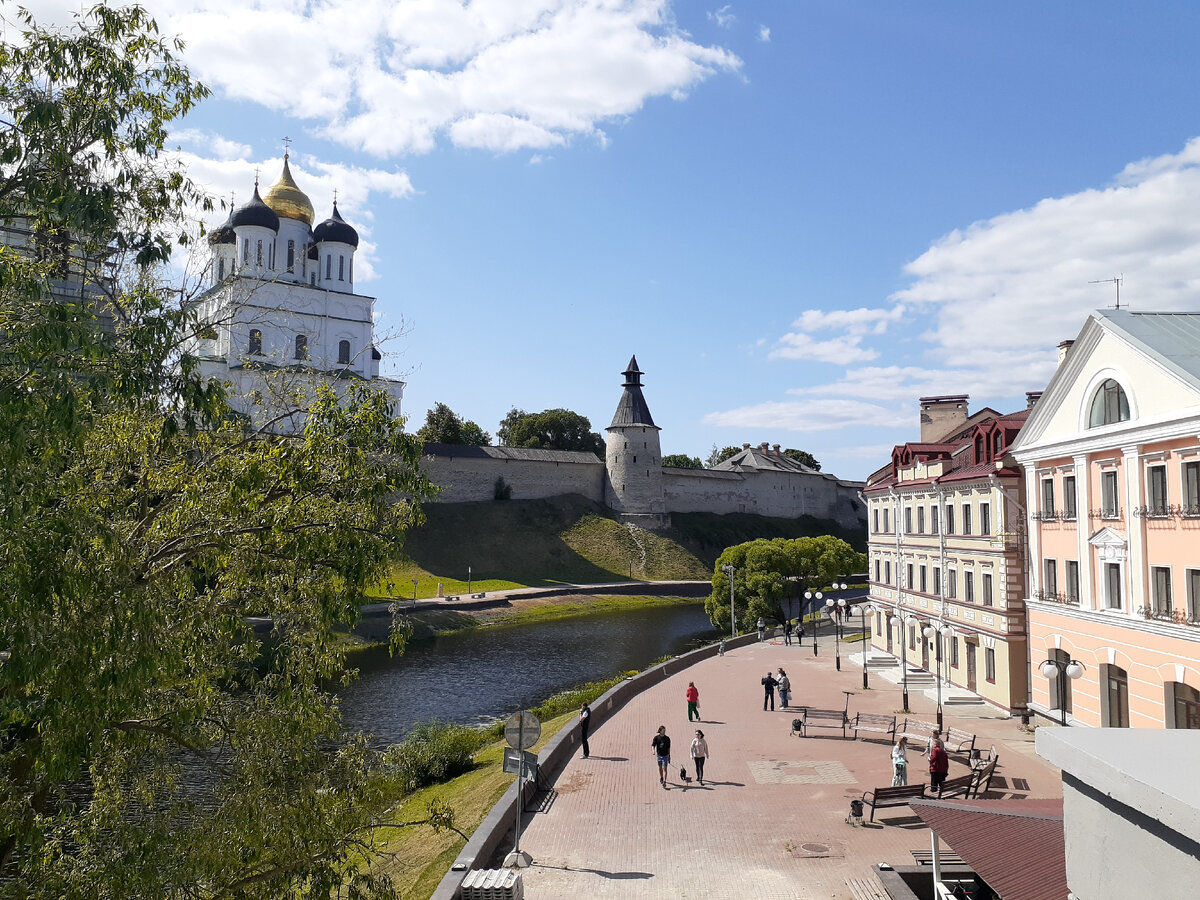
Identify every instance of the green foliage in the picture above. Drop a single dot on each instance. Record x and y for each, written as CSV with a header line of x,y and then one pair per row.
x,y
766,571
444,426
151,745
716,457
804,458
682,461
551,429
432,752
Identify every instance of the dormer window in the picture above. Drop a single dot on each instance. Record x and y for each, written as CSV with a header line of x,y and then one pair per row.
x,y
301,346
998,443
1109,405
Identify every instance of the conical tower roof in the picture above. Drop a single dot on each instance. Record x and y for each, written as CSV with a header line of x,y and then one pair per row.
x,y
632,410
287,200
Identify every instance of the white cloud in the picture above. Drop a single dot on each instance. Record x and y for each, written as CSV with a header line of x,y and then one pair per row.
x,y
845,349
723,17
854,321
764,34
810,414
220,147
493,74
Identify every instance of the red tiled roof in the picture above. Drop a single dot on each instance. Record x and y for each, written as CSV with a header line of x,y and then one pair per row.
x,y
1016,846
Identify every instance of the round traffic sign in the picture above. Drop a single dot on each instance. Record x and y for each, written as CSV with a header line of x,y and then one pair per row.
x,y
522,730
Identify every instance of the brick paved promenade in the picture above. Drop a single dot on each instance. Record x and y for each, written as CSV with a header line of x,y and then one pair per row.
x,y
770,819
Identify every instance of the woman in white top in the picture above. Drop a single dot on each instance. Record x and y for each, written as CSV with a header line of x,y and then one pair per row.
x,y
699,754
900,763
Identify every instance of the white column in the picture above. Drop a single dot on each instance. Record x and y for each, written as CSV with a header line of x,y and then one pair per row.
x,y
1083,525
1135,565
1035,528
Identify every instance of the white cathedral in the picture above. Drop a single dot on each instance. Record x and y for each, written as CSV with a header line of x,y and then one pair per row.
x,y
280,314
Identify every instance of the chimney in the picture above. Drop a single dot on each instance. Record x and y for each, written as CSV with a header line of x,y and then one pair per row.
x,y
763,446
745,446
942,416
1032,397
775,448
1064,350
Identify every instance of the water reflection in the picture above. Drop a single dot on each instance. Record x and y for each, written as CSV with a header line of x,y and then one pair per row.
x,y
476,676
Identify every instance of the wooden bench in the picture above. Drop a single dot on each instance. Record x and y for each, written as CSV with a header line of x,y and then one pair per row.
x,y
884,797
956,741
823,718
875,722
983,775
962,786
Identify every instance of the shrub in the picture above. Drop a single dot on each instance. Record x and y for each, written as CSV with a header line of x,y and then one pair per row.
x,y
433,752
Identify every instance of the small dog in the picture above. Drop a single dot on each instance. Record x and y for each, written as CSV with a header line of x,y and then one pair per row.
x,y
684,777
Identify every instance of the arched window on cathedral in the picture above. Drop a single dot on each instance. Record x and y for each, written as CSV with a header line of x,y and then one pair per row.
x,y
328,266
343,353
1109,405
255,342
271,255
341,268
301,346
258,254
221,269
246,250
291,256
352,270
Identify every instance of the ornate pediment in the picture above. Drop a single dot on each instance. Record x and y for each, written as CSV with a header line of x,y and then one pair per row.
x,y
1110,544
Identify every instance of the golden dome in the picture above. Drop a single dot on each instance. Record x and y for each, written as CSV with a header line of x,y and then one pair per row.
x,y
287,200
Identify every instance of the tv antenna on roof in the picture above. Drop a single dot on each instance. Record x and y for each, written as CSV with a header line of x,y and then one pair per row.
x,y
1116,281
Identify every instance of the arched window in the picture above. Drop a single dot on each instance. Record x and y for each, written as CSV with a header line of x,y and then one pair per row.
x,y
258,254
255,341
343,353
221,269
301,346
980,449
352,270
341,268
291,256
1109,405
997,443
246,250
328,266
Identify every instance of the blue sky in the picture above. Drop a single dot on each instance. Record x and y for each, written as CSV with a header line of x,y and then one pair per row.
x,y
799,215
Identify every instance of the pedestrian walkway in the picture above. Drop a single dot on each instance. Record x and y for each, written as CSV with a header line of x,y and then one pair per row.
x,y
770,820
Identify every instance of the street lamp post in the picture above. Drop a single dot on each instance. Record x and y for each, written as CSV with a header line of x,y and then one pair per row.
x,y
729,570
940,631
1063,670
808,598
865,609
902,622
835,609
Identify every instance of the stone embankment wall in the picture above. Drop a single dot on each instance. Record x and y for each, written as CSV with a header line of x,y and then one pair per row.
x,y
466,479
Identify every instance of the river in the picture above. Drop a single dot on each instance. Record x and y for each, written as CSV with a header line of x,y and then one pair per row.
x,y
476,676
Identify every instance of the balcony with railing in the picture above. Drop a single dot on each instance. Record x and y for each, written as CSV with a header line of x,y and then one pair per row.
x,y
1171,615
1052,597
1166,511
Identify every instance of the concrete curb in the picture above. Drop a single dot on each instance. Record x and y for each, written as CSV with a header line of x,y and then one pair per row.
x,y
553,758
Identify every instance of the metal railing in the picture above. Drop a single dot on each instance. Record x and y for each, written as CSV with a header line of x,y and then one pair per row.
x,y
1052,597
1171,615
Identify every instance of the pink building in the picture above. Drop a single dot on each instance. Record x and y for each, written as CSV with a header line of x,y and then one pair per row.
x,y
1111,455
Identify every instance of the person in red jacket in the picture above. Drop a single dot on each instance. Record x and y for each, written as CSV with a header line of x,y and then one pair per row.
x,y
693,701
939,766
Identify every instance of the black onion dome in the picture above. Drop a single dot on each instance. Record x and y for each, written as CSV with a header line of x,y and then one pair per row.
x,y
256,213
223,234
335,229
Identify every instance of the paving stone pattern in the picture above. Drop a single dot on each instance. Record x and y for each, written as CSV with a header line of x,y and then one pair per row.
x,y
770,820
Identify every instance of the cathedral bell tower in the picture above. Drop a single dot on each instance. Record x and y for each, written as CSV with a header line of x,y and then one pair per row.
x,y
633,457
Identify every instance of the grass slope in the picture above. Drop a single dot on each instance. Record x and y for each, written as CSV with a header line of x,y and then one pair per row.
x,y
571,540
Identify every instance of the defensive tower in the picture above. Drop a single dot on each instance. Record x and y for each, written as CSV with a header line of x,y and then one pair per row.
x,y
633,456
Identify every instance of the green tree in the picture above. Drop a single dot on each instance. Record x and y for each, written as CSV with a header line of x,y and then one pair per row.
x,y
444,426
152,744
768,571
716,457
682,461
804,458
551,429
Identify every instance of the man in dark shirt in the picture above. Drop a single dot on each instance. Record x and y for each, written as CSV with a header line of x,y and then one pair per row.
x,y
585,716
661,744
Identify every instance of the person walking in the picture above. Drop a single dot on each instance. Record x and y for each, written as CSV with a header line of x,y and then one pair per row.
x,y
660,744
900,762
768,683
699,752
785,688
787,633
585,721
693,701
934,737
762,628
939,767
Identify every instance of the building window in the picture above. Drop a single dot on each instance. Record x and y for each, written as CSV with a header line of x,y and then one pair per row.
x,y
1109,405
933,520
291,256
301,346
1193,594
255,342
1049,578
343,353
908,572
1060,682
875,520
1073,580
258,254
954,653
271,255
985,518
987,589
1068,496
885,519
969,586
352,270
341,268
951,584
920,520
912,637
1191,489
989,664
1118,697
1160,578
1187,705
246,250
908,520
1112,585
328,266
313,279
924,584
1156,477
949,520
937,581
966,525
1048,496
221,269
877,571
887,572
1111,506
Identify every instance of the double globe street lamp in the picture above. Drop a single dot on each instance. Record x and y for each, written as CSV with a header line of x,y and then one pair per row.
x,y
1062,670
865,609
835,608
941,631
809,596
903,622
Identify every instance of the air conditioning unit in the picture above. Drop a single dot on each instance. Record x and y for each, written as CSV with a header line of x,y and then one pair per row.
x,y
493,884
